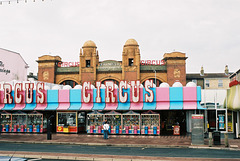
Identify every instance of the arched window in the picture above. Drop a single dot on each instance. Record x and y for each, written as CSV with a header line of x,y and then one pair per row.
x,y
69,82
153,79
114,81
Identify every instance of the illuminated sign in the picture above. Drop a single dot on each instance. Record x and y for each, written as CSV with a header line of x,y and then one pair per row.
x,y
19,93
26,96
68,64
153,62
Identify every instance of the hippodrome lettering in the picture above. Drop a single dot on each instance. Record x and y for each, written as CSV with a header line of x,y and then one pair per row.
x,y
20,93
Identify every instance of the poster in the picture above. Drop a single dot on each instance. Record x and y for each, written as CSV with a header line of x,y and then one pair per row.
x,y
221,122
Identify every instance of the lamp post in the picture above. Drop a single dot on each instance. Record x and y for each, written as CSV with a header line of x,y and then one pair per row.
x,y
49,128
0,123
155,77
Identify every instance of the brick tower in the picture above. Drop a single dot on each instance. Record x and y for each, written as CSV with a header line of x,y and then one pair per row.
x,y
131,61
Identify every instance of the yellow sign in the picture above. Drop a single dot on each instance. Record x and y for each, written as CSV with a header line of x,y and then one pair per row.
x,y
60,128
230,127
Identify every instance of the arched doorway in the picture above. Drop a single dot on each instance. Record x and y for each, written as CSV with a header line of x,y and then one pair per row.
x,y
113,80
69,82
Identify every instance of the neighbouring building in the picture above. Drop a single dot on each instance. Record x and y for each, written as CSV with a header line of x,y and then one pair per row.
x,y
214,89
12,66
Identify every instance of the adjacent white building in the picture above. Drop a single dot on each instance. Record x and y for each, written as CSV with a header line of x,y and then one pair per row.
x,y
12,66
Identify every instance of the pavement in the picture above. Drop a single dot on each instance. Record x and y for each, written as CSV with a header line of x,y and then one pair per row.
x,y
114,140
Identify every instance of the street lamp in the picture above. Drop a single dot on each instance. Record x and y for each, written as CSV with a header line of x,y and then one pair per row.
x,y
49,128
155,77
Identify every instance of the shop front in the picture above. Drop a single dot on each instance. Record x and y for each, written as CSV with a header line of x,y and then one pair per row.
x,y
132,110
150,123
6,121
67,122
35,122
232,104
115,121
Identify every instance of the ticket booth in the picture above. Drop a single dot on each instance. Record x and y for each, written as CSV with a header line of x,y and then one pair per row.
x,y
131,123
115,121
67,122
19,122
150,123
6,123
35,122
95,122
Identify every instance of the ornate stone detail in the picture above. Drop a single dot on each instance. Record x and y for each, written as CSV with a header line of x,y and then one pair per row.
x,y
45,75
177,73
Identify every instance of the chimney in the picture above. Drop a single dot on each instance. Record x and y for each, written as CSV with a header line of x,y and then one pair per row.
x,y
226,70
202,71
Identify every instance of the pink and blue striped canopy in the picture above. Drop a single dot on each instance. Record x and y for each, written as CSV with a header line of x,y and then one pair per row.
x,y
165,98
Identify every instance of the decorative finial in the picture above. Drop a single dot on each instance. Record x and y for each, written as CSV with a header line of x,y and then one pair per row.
x,y
226,70
202,71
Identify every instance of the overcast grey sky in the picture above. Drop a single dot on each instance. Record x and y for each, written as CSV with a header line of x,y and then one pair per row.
x,y
208,31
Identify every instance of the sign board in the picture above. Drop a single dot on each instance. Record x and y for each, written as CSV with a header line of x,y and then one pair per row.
x,y
109,65
176,130
197,129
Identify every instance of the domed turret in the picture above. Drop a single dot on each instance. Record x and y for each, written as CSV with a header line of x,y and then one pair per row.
x,y
89,44
89,60
131,42
131,60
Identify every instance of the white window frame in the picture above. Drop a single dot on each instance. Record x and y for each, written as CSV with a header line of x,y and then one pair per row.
x,y
194,81
207,83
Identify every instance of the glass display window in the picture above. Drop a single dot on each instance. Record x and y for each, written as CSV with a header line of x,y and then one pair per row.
x,y
35,122
67,122
19,122
131,123
6,121
115,121
150,123
95,122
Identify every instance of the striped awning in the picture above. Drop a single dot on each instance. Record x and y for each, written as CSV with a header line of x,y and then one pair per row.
x,y
165,98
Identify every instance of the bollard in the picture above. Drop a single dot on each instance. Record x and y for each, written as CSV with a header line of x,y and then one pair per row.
x,y
210,139
226,139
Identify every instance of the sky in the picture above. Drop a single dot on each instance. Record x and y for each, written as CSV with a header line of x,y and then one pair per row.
x,y
208,31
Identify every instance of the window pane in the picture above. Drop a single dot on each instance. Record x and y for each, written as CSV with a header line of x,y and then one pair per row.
x,y
130,62
207,83
220,83
88,63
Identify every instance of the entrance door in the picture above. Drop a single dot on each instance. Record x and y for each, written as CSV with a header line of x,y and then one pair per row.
x,y
211,120
82,122
171,118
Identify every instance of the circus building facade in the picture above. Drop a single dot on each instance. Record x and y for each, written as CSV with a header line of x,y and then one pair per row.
x,y
136,96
